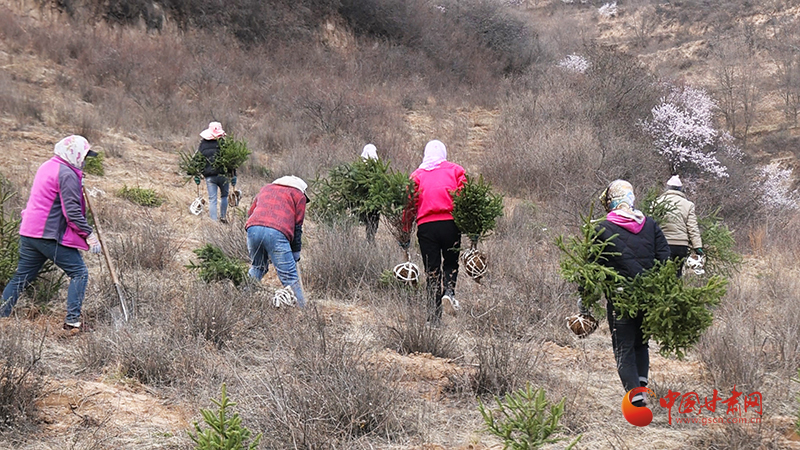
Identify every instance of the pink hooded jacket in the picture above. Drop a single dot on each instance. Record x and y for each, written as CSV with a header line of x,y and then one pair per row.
x,y
56,208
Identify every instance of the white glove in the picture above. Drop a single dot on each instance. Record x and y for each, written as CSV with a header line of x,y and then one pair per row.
x,y
94,243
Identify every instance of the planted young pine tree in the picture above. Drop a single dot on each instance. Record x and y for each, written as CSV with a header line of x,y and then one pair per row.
x,y
675,314
475,212
225,430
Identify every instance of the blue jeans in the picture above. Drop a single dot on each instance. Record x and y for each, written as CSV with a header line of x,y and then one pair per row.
x,y
267,244
212,183
33,253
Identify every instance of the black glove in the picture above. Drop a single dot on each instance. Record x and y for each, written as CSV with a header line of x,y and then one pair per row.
x,y
405,245
233,180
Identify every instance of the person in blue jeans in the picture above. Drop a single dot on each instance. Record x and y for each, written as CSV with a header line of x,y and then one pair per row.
x,y
274,233
215,181
54,227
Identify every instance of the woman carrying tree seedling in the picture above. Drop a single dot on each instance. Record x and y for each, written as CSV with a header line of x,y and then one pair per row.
x,y
637,244
439,237
274,231
215,181
54,227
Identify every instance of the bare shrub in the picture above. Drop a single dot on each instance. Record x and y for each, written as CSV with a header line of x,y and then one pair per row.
x,y
342,261
148,243
503,365
733,436
92,351
213,312
20,382
146,354
410,331
231,238
330,398
733,349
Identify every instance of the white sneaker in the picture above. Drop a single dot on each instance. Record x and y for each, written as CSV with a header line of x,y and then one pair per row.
x,y
451,305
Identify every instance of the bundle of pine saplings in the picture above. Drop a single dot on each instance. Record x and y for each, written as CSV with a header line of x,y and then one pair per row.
x,y
675,314
232,154
475,212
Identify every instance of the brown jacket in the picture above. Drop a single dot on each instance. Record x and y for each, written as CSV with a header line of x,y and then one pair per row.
x,y
680,226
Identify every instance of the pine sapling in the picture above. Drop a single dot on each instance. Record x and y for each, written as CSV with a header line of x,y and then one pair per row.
x,y
525,420
225,432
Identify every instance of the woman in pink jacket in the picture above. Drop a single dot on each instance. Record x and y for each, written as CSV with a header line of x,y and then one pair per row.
x,y
54,227
439,237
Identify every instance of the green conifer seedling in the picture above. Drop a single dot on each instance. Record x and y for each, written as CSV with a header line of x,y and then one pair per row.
x,y
225,432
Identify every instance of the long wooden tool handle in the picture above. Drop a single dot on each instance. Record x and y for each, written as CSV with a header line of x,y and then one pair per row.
x,y
100,238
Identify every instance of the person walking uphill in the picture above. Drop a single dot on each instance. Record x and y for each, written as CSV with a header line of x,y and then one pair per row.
x,y
680,225
274,231
439,237
215,181
54,227
638,244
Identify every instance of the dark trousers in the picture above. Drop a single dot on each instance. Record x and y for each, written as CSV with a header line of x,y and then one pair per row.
x,y
630,350
439,243
679,253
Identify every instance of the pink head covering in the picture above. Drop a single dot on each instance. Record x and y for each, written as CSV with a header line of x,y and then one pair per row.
x,y
214,131
74,149
435,154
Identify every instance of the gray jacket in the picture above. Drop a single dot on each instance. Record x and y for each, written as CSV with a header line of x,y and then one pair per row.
x,y
680,225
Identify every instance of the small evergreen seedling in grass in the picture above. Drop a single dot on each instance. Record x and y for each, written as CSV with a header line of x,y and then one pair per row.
x,y
141,196
226,433
215,265
94,165
525,420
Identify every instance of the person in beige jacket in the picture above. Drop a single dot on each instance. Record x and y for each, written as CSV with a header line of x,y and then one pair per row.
x,y
680,226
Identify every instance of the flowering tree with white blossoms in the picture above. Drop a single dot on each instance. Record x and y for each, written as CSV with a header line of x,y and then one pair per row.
x,y
683,131
574,64
776,187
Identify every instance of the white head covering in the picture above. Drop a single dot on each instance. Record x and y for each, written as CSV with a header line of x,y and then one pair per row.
x,y
675,181
214,131
74,149
293,181
369,152
435,154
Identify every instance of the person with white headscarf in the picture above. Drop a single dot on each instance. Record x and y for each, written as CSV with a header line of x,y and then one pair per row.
x,y
680,224
439,237
274,233
637,244
54,227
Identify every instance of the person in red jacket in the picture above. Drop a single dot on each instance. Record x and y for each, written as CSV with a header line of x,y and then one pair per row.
x,y
439,237
274,233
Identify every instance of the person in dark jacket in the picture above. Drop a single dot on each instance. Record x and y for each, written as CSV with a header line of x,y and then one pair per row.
x,y
215,181
638,244
54,227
